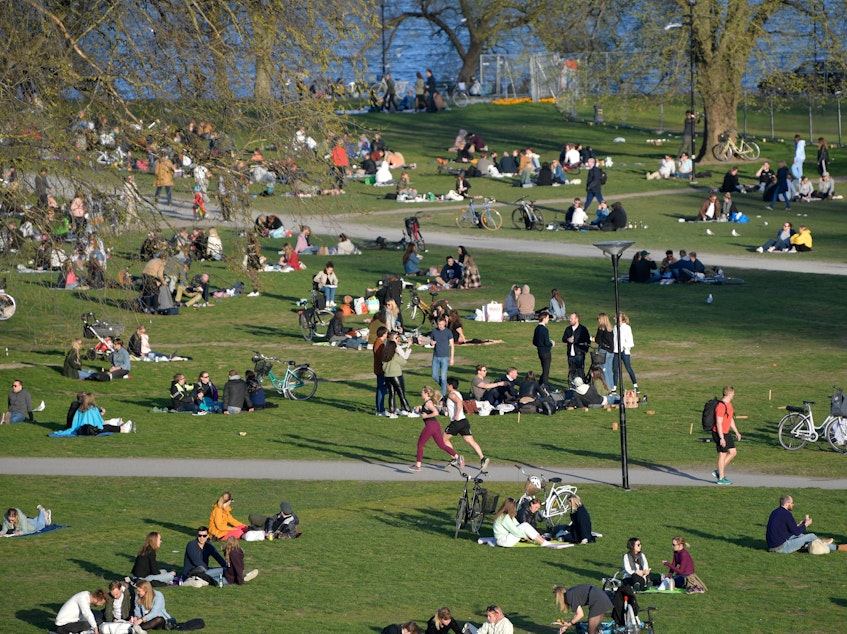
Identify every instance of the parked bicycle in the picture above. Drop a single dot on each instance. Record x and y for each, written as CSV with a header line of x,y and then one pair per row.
x,y
487,218
459,96
797,428
527,216
315,316
727,147
417,312
472,508
556,501
298,384
412,233
7,302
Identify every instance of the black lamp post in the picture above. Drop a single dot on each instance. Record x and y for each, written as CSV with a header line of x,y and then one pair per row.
x,y
615,250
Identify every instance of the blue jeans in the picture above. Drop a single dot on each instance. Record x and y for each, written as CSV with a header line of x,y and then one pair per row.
x,y
439,371
608,375
793,544
16,417
591,196
781,190
277,233
167,193
329,293
381,391
627,364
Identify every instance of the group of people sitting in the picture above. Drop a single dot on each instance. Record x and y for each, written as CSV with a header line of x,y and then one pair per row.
x,y
685,268
789,240
200,398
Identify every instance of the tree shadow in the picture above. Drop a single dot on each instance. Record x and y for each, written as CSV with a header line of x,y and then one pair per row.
x,y
96,570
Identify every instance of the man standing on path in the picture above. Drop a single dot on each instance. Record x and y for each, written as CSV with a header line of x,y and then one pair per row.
x,y
593,183
786,535
381,387
724,443
541,340
442,352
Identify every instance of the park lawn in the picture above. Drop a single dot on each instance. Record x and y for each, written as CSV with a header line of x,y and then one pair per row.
x,y
686,350
379,553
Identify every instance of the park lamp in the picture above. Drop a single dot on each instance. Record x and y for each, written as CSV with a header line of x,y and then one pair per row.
x,y
615,250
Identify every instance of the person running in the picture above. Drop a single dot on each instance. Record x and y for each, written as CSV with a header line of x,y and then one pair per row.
x,y
429,412
724,443
459,423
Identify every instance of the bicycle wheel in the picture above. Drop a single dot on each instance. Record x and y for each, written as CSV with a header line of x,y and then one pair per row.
x,y
306,324
749,151
836,433
491,220
421,244
321,323
538,223
301,384
722,151
477,514
461,513
413,316
794,431
519,218
465,219
460,99
573,171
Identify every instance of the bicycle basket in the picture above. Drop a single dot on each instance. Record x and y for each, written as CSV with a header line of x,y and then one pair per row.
x,y
722,137
489,501
838,407
533,486
262,366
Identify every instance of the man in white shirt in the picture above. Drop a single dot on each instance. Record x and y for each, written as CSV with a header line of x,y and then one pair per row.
x,y
571,155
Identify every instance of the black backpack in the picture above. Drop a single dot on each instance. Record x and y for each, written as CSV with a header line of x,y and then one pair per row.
x,y
603,177
709,419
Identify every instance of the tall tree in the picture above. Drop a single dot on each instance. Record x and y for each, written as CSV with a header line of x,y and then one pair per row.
x,y
472,26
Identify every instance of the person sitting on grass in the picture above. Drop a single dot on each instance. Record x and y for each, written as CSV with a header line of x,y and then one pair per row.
x,y
183,395
497,623
508,532
636,568
150,612
786,535
682,564
443,622
451,274
88,421
118,612
146,565
120,361
221,522
76,614
236,397
782,242
234,555
196,560
256,392
802,240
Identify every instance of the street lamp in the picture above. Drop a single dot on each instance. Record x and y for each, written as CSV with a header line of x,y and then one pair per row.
x,y
614,250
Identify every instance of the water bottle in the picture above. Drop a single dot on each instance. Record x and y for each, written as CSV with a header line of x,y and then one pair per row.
x,y
133,427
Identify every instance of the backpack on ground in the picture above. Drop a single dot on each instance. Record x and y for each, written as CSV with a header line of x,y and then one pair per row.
x,y
709,419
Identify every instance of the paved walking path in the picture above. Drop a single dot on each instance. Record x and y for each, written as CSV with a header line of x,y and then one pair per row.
x,y
389,224
661,475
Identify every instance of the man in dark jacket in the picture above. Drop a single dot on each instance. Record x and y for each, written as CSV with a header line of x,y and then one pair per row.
x,y
616,220
236,397
593,183
578,339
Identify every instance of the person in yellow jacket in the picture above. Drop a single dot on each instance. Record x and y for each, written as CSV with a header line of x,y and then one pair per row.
x,y
164,178
802,240
221,522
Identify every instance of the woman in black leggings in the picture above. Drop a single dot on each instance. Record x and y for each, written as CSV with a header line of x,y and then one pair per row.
x,y
393,359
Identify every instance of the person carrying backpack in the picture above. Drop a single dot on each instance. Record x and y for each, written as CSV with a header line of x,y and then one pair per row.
x,y
724,442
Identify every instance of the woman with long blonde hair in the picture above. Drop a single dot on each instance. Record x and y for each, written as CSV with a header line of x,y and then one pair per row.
x,y
221,522
605,340
234,555
150,613
573,599
443,621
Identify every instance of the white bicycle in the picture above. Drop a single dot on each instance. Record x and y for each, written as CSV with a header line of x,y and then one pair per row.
x,y
556,501
7,303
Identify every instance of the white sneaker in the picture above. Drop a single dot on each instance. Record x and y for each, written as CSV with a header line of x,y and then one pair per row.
x,y
771,249
392,415
202,412
126,427
413,415
251,575
760,250
40,408
253,294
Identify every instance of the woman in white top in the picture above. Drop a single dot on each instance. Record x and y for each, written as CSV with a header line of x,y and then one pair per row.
x,y
623,348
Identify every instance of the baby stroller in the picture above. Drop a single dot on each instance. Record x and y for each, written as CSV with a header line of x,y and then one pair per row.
x,y
104,332
412,233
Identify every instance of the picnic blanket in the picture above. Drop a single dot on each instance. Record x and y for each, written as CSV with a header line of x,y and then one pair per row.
x,y
46,529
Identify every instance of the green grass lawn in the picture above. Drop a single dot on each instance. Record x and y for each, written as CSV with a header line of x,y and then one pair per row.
x,y
375,553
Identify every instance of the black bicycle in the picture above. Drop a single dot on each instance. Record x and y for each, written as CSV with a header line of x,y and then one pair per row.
x,y
473,507
315,316
527,216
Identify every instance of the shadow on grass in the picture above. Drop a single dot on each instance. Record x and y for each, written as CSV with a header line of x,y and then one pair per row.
x,y
189,531
96,570
615,458
43,618
437,523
